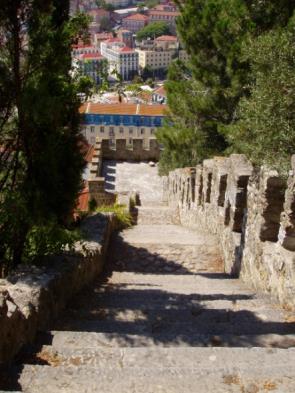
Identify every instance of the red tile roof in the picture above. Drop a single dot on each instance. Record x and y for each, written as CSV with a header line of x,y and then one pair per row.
x,y
137,17
92,56
124,109
167,38
169,13
126,49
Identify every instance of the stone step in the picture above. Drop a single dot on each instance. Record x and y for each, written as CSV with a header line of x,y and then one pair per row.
x,y
212,322
81,340
169,260
156,215
172,370
167,234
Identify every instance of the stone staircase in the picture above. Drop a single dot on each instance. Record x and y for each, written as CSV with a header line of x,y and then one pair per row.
x,y
164,318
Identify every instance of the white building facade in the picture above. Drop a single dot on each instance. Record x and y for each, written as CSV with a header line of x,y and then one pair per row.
x,y
121,59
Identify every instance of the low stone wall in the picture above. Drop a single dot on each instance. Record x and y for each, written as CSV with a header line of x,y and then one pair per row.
x,y
96,183
137,153
252,211
33,296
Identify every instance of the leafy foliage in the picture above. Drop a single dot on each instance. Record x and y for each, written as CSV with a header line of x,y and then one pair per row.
x,y
153,30
266,120
204,95
122,215
40,159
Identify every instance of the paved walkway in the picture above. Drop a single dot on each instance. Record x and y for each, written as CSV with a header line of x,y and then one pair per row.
x,y
133,176
165,319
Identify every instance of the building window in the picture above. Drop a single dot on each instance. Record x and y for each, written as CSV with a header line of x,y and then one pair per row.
x,y
112,133
130,131
152,131
121,130
92,129
142,131
102,130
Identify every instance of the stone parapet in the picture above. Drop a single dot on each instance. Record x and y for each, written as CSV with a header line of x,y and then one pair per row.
x,y
33,296
137,152
250,210
96,183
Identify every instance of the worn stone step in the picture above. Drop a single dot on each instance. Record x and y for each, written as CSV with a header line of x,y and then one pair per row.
x,y
141,357
211,323
168,370
82,340
156,215
166,234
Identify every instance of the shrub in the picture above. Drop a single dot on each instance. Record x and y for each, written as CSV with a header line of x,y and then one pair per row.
x,y
123,217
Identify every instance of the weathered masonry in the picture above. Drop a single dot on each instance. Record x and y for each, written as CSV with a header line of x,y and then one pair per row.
x,y
252,211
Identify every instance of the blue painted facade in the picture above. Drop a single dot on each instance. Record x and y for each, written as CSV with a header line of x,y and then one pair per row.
x,y
123,120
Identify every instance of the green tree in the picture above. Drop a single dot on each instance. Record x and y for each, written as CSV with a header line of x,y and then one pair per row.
x,y
153,30
188,136
40,159
213,33
264,130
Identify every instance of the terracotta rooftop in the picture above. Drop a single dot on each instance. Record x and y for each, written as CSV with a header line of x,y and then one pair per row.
x,y
92,56
169,13
126,49
137,17
123,109
167,38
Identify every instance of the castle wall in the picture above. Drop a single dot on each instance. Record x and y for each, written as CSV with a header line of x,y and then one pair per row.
x,y
138,152
252,211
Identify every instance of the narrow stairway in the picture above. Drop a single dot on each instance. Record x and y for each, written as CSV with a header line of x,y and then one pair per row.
x,y
164,318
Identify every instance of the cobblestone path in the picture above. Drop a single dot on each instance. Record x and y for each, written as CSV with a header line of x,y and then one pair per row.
x,y
164,318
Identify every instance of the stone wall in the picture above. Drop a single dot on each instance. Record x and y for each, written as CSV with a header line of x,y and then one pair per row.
x,y
137,153
33,296
102,150
96,183
252,211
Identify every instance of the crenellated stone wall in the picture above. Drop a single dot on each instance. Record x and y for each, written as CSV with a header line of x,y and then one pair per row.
x,y
137,153
252,211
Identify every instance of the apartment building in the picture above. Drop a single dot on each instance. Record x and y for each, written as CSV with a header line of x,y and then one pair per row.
x,y
135,22
122,121
154,59
168,17
91,64
121,59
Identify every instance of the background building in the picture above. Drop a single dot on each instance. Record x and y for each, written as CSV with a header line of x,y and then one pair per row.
x,y
93,65
122,59
121,121
135,22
